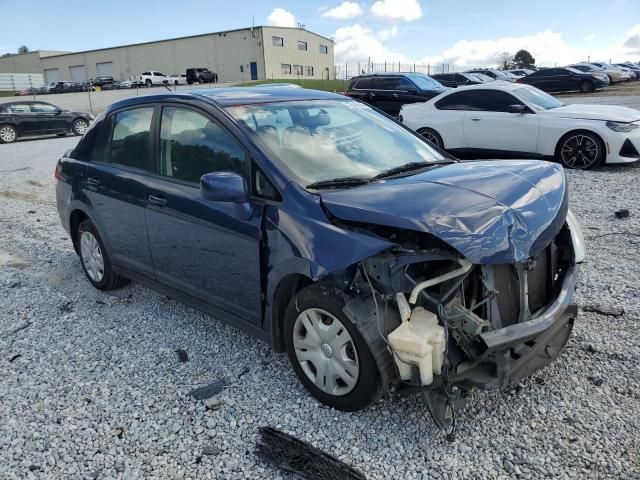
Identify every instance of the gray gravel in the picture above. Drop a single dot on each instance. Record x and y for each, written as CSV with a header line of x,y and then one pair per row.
x,y
91,385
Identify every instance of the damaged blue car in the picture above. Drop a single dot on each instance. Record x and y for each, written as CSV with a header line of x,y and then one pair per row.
x,y
379,263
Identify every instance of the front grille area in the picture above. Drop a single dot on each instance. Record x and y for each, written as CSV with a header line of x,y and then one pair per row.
x,y
508,299
539,279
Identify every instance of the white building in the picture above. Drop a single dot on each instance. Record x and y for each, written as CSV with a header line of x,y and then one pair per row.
x,y
255,53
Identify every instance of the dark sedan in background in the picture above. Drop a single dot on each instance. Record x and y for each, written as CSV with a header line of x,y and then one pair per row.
x,y
23,119
563,79
390,91
454,80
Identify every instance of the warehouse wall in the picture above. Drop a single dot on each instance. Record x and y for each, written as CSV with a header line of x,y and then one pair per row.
x,y
289,54
21,63
222,53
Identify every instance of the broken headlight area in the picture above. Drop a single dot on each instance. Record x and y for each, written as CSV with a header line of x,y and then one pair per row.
x,y
441,325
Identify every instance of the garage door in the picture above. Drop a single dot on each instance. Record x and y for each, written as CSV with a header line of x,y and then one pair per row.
x,y
105,69
52,75
78,73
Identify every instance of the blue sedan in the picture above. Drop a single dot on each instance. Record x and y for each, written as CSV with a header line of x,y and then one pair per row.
x,y
378,262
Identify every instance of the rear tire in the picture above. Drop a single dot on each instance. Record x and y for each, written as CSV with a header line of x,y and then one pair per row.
x,y
327,352
432,136
580,150
8,134
147,82
95,260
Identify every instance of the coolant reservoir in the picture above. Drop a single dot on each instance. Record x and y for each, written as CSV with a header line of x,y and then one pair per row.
x,y
419,341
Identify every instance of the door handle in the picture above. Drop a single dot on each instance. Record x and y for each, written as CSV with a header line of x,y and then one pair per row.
x,y
476,119
158,200
395,95
93,181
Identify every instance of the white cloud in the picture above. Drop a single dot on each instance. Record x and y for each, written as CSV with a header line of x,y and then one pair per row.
x,y
356,43
280,17
388,33
397,10
547,47
344,11
590,37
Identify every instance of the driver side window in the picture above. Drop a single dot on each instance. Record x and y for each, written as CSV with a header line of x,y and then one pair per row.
x,y
491,100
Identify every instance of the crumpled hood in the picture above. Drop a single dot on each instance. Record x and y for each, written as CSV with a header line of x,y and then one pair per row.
x,y
492,212
596,112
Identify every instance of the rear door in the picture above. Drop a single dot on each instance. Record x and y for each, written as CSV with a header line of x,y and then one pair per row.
x,y
203,248
489,126
116,185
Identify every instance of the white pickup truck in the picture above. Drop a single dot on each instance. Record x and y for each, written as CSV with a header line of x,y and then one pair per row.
x,y
151,78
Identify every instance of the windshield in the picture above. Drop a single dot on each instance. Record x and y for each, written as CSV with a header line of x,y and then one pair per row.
x,y
573,70
540,99
317,140
424,82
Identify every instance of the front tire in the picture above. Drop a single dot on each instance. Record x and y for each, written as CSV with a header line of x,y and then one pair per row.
x,y
8,134
432,136
147,83
327,352
79,126
94,259
586,86
580,150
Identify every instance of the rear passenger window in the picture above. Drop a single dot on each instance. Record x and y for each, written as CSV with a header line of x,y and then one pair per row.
x,y
455,101
491,100
192,145
130,138
365,84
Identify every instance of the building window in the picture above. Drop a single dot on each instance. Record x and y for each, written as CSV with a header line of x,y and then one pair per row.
x,y
324,49
285,68
297,69
308,71
302,45
277,41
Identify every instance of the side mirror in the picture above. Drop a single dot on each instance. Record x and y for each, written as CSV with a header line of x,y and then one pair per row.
x,y
58,111
224,187
517,109
411,91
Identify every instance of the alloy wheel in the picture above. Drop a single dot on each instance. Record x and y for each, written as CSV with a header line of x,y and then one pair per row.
x,y
580,151
326,352
431,137
7,134
81,127
91,255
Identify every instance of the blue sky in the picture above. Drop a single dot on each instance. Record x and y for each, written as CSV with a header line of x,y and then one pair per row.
x,y
461,32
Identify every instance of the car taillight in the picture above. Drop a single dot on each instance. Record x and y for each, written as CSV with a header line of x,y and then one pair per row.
x,y
519,80
58,171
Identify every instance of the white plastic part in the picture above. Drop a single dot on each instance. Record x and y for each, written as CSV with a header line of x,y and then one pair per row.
x,y
419,341
465,266
403,306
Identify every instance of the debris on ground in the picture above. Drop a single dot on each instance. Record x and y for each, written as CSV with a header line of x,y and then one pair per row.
x,y
66,307
183,356
302,459
604,310
623,213
15,357
210,390
596,381
18,329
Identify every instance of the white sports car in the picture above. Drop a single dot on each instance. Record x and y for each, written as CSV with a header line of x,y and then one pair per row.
x,y
515,120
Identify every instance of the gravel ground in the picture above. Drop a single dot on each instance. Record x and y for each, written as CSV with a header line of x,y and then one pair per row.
x,y
91,385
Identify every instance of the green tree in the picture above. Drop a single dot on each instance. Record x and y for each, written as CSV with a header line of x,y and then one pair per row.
x,y
23,49
523,59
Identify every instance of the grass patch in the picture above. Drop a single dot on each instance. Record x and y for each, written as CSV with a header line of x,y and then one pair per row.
x,y
326,85
7,94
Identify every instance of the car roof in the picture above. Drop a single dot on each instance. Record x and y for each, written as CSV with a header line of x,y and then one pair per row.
x,y
231,96
506,86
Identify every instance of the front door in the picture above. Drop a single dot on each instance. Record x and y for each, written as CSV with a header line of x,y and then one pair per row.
x,y
116,186
205,249
490,126
49,118
254,70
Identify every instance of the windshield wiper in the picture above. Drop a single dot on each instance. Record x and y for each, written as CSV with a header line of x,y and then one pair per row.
x,y
339,182
407,167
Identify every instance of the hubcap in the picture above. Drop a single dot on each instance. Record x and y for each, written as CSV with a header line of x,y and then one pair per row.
x,y
7,134
92,256
326,352
81,126
579,151
431,137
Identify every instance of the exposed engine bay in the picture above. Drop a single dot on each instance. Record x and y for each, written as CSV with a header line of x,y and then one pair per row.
x,y
441,325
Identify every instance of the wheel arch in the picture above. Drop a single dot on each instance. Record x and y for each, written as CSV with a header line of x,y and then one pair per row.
x,y
75,219
423,129
288,288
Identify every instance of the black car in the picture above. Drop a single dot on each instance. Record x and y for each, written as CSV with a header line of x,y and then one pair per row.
x,y
493,73
201,75
22,119
454,80
102,80
562,80
390,91
69,87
